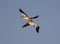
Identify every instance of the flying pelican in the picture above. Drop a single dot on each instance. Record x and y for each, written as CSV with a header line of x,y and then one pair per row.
x,y
29,20
25,16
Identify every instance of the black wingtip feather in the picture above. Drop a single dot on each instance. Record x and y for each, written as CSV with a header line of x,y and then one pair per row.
x,y
25,25
36,16
21,10
37,29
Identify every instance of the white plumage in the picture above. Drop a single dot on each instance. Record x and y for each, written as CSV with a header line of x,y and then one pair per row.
x,y
29,20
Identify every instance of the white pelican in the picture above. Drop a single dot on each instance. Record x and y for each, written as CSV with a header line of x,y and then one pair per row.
x,y
29,20
25,16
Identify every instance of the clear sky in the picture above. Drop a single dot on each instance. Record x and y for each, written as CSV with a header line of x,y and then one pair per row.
x,y
11,31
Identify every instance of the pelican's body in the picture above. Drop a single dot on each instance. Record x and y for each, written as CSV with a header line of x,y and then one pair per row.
x,y
29,20
26,18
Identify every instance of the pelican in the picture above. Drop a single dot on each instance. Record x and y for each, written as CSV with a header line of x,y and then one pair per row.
x,y
25,16
29,21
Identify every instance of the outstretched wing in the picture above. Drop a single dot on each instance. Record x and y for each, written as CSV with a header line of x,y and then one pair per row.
x,y
37,29
34,17
22,12
25,25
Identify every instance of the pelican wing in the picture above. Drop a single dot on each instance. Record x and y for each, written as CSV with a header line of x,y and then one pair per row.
x,y
22,12
34,17
25,25
37,29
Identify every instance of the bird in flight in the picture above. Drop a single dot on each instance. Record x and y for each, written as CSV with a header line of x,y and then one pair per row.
x,y
29,20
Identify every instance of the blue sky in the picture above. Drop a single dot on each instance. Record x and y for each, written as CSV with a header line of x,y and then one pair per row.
x,y
11,31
